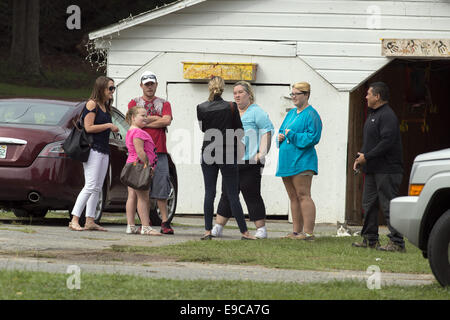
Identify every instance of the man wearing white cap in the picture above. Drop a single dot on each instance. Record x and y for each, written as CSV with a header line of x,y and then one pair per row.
x,y
159,115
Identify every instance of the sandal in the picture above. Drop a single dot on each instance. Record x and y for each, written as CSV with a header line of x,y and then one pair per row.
x,y
93,227
149,231
75,227
207,237
291,235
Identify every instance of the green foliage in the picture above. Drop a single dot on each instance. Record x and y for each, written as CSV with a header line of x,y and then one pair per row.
x,y
54,35
63,51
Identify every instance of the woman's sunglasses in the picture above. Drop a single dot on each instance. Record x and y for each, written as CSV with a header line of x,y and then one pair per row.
x,y
293,94
112,88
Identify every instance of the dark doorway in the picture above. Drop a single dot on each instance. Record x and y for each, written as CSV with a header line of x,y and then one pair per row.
x,y
420,98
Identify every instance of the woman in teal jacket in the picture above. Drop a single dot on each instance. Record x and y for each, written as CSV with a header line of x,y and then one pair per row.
x,y
297,160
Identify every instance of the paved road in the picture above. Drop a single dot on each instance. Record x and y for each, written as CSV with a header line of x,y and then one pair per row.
x,y
53,245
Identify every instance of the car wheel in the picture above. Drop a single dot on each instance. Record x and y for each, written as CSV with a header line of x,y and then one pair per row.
x,y
155,214
98,209
439,249
25,213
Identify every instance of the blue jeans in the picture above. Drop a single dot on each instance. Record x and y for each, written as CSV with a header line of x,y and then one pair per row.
x,y
230,177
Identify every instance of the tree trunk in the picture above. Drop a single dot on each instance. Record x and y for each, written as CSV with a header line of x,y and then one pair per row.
x,y
18,33
24,55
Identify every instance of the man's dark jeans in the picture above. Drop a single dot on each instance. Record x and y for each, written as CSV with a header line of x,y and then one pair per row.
x,y
230,177
380,189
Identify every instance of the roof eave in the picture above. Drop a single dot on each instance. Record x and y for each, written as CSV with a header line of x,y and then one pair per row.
x,y
143,17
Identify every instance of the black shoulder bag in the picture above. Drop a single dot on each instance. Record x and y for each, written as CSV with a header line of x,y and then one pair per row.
x,y
78,144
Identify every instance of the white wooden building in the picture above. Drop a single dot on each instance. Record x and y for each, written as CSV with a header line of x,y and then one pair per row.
x,y
335,45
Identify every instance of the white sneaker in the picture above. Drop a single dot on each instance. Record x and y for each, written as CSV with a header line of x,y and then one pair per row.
x,y
261,233
217,231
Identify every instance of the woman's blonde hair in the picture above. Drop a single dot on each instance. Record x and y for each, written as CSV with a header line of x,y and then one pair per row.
x,y
133,112
248,88
216,86
98,92
303,87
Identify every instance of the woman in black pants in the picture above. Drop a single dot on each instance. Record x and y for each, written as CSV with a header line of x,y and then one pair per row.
x,y
258,132
221,123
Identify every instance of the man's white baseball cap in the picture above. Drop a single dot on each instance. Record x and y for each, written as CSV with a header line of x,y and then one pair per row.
x,y
148,76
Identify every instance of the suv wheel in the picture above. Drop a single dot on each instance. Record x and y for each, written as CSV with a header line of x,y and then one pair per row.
x,y
439,249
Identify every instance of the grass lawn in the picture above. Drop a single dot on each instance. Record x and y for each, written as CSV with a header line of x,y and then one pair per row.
x,y
64,77
24,285
11,90
325,254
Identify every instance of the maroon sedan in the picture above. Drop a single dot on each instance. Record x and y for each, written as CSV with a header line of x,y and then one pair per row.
x,y
35,173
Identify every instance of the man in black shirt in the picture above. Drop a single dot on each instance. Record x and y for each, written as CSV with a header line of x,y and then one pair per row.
x,y
381,160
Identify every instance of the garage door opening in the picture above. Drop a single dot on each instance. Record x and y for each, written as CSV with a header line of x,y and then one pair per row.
x,y
419,96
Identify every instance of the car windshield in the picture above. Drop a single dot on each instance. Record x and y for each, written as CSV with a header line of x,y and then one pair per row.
x,y
25,112
120,122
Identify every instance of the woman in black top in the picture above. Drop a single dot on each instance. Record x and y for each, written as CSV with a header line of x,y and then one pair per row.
x,y
221,123
97,121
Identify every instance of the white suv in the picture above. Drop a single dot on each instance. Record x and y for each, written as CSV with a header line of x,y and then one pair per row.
x,y
424,216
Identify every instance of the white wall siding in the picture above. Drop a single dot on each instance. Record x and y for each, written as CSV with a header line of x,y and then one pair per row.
x,y
346,32
281,49
395,7
130,57
122,64
275,33
306,20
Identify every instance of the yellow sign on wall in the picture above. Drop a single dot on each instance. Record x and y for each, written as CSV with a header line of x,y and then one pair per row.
x,y
228,71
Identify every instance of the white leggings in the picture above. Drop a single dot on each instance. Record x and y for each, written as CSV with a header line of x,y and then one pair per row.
x,y
94,174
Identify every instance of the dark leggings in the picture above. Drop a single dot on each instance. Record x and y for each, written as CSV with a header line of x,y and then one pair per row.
x,y
250,186
230,177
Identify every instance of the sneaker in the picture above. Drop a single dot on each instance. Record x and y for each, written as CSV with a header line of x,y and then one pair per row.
x,y
392,247
217,231
133,229
261,233
366,244
166,228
